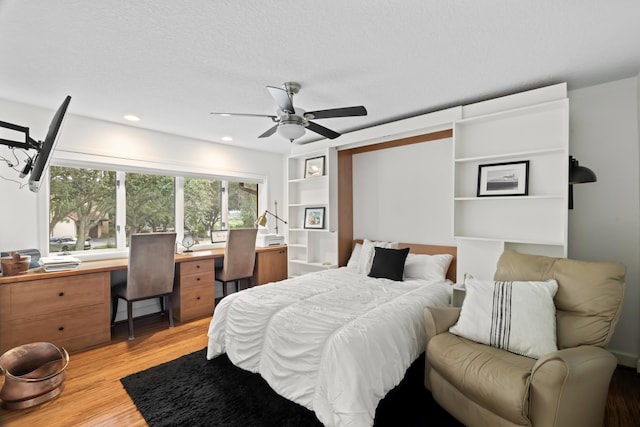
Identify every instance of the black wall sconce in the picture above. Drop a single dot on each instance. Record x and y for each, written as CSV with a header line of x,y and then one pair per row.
x,y
578,175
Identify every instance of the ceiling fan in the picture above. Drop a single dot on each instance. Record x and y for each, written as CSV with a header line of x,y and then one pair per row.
x,y
290,121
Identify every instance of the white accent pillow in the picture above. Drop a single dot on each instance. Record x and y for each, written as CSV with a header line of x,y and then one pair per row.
x,y
429,267
519,317
367,252
354,259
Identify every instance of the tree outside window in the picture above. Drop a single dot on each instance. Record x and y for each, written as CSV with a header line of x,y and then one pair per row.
x,y
84,202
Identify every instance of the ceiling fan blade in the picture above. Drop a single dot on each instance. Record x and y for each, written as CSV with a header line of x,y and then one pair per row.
x,y
326,132
269,132
246,115
282,99
337,112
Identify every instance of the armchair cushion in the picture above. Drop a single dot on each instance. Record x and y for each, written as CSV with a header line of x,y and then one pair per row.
x,y
494,379
519,317
588,298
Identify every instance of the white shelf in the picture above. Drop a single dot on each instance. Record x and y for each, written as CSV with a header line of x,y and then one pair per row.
x,y
296,245
305,205
537,222
311,248
511,198
316,265
519,241
515,112
496,157
306,180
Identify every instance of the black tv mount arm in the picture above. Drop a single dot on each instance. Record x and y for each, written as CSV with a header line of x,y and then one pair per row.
x,y
28,144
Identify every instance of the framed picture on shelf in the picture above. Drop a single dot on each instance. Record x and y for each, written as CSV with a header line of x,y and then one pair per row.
x,y
314,167
314,218
503,179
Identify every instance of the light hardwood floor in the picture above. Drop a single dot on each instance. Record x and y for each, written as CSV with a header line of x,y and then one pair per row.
x,y
93,394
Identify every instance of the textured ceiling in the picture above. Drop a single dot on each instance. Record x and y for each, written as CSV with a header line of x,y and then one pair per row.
x,y
173,62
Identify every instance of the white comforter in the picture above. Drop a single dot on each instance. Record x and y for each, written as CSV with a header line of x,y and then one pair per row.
x,y
334,341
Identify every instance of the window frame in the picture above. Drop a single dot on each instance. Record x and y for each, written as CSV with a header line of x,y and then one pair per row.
x,y
179,172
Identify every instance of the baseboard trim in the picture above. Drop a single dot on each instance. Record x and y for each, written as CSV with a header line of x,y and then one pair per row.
x,y
627,359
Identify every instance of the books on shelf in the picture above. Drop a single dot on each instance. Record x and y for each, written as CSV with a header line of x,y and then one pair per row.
x,y
59,263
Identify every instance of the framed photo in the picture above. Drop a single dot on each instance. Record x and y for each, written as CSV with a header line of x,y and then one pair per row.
x,y
503,179
314,218
314,167
218,236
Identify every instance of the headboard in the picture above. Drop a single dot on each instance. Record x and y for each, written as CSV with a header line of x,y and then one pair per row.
x,y
418,248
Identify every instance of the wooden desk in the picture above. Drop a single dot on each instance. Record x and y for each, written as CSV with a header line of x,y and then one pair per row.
x,y
72,308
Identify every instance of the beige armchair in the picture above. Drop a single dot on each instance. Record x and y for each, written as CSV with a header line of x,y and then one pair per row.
x,y
485,386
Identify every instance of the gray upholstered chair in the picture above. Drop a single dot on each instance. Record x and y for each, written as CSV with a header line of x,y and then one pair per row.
x,y
485,386
239,257
150,274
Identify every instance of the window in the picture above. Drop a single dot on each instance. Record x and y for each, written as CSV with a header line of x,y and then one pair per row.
x,y
150,203
211,207
82,205
89,207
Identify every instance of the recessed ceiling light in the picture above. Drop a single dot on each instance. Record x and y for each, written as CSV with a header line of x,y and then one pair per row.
x,y
225,115
132,118
227,138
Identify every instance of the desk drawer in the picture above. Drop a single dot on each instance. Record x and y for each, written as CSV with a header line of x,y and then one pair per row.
x,y
72,329
39,297
198,279
196,301
197,267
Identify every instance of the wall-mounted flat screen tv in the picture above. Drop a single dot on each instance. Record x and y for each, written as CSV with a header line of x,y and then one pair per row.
x,y
43,158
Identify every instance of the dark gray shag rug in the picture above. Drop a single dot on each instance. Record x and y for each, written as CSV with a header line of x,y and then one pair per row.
x,y
194,391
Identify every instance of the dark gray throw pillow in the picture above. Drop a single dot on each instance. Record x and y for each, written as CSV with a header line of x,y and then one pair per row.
x,y
388,263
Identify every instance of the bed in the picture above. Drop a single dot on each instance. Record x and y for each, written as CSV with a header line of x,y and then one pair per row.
x,y
336,341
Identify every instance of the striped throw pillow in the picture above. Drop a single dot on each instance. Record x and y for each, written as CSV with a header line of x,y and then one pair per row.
x,y
519,317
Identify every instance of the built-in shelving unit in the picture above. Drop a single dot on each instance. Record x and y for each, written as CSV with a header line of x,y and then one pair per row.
x,y
535,223
312,249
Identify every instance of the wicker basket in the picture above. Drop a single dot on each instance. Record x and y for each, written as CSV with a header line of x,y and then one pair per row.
x,y
15,264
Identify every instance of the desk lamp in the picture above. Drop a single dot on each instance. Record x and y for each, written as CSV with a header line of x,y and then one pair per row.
x,y
262,219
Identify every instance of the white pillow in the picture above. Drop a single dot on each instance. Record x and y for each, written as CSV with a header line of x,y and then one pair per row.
x,y
354,259
367,252
519,317
429,267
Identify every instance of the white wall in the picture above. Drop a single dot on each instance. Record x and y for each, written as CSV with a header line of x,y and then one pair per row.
x,y
88,140
605,222
84,139
404,193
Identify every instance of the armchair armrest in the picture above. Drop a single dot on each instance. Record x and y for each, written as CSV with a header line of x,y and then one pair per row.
x,y
569,387
437,320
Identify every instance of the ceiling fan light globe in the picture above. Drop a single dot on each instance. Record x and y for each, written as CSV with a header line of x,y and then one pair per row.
x,y
290,131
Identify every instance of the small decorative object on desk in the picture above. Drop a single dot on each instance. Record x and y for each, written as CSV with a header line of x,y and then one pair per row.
x,y
59,263
15,264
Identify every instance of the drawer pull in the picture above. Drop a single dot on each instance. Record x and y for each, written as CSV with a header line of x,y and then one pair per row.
x,y
198,298
198,279
61,328
198,266
61,294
